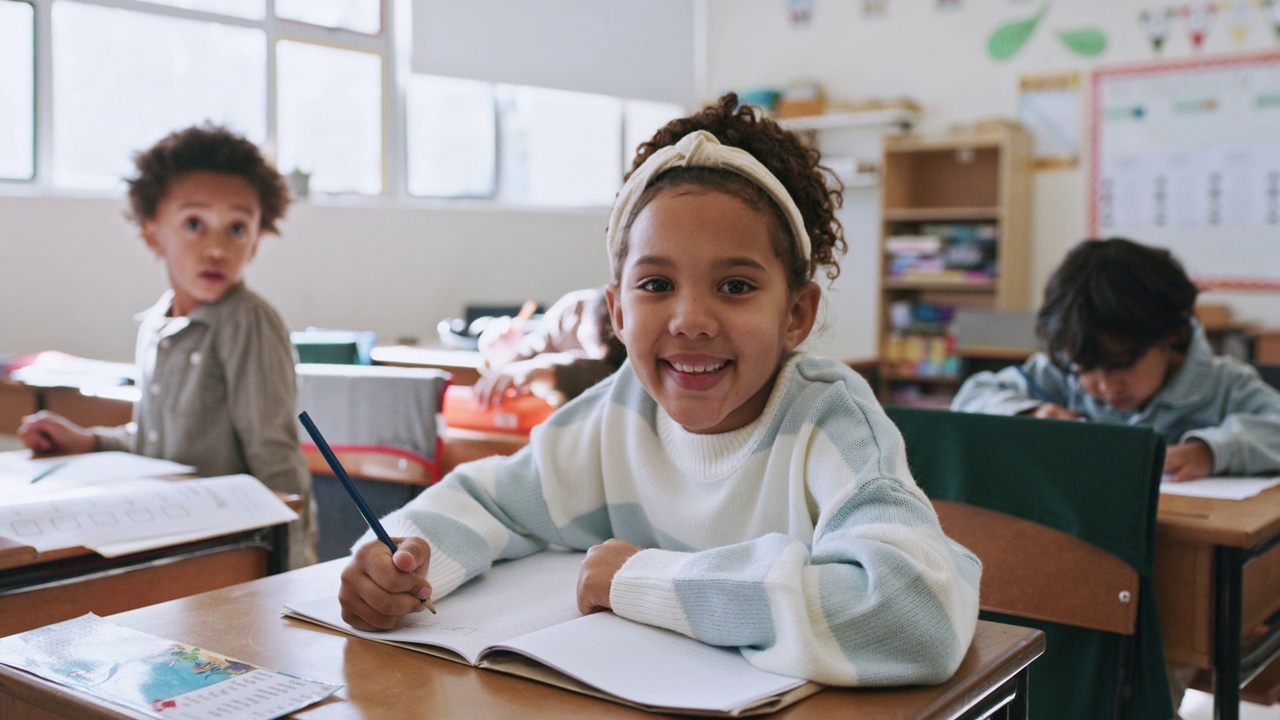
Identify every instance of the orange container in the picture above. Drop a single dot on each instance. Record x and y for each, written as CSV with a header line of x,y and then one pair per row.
x,y
516,414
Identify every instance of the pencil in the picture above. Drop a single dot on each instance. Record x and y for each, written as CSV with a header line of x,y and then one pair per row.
x,y
352,490
49,470
527,310
1037,391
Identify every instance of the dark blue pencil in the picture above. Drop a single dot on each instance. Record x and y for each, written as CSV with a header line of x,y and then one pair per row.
x,y
352,490
1033,386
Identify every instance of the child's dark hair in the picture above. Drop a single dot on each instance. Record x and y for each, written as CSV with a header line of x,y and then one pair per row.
x,y
210,148
815,189
1115,293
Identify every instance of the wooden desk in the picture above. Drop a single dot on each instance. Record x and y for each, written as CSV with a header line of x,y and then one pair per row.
x,y
464,365
381,681
16,401
1217,576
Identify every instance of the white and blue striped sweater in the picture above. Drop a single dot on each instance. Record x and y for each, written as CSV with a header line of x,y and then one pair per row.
x,y
801,539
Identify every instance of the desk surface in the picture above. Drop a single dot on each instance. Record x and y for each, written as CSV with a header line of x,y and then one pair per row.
x,y
381,681
1232,523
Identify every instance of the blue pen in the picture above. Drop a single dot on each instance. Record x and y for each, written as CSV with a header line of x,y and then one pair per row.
x,y
1033,386
49,470
352,490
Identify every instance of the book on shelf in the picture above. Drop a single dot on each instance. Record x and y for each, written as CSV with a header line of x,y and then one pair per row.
x,y
943,253
521,617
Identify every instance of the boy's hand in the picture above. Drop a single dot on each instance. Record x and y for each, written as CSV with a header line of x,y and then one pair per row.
x,y
595,577
1188,461
48,432
379,588
1051,411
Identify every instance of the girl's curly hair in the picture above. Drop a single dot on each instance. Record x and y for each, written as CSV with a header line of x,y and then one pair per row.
x,y
210,148
814,188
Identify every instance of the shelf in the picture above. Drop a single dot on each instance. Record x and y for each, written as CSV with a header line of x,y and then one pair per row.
x,y
925,285
931,214
841,119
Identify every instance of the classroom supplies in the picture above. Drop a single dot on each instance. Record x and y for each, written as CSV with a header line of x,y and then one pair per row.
x,y
18,467
514,414
128,516
521,617
1220,487
154,676
352,490
52,468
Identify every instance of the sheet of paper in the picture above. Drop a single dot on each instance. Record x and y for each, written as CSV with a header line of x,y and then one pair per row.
x,y
158,677
511,599
651,666
1222,488
99,518
73,472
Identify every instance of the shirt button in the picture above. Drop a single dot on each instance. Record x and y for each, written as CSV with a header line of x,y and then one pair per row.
x,y
154,389
195,358
164,344
153,436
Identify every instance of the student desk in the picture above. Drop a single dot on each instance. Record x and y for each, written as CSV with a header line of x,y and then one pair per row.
x,y
382,681
464,365
1217,575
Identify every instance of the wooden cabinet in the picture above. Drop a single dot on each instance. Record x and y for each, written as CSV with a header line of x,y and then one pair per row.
x,y
955,233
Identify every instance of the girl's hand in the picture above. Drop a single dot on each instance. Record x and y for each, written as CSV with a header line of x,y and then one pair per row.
x,y
1051,411
47,432
1188,461
379,588
595,577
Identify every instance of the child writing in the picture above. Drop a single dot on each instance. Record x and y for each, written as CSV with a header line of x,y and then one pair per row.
x,y
216,367
1123,346
724,485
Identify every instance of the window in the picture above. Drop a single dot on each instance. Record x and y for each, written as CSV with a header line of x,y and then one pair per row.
x,y
330,116
164,73
323,85
17,91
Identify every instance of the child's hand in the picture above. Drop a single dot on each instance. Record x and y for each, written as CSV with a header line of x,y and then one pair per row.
x,y
48,432
498,343
1188,461
379,588
1052,411
595,577
520,376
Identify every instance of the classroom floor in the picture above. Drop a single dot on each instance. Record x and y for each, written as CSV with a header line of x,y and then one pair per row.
x,y
1199,706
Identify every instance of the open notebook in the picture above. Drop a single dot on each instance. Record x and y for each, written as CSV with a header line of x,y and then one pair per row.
x,y
522,618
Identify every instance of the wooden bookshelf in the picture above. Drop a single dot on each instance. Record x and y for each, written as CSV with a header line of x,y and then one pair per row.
x,y
971,186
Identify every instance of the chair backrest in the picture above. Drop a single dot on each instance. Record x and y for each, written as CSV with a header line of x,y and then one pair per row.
x,y
1063,516
382,423
1270,373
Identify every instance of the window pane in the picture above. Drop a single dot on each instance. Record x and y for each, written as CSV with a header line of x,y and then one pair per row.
x,y
253,9
17,90
453,135
330,116
364,16
164,74
559,147
641,119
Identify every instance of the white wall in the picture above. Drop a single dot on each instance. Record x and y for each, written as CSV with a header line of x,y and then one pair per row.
x,y
939,58
73,272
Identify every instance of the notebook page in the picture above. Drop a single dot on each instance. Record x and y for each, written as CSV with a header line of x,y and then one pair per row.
x,y
1222,488
650,666
511,599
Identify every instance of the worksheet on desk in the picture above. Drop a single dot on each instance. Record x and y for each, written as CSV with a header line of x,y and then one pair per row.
x,y
1221,488
66,473
156,509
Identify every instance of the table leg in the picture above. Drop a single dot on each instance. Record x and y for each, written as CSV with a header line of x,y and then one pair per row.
x,y
1228,572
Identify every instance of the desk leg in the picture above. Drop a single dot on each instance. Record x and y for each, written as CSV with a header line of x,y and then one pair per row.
x,y
1228,572
278,558
1007,702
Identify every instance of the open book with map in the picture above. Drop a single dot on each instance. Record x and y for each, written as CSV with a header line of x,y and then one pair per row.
x,y
522,618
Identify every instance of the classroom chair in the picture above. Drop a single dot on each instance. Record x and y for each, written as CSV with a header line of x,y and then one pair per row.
x,y
1270,373
383,424
342,347
1063,516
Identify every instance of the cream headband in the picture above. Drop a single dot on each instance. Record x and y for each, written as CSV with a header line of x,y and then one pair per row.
x,y
701,149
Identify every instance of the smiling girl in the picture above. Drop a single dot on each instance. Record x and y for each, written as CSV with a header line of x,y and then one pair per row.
x,y
724,485
215,364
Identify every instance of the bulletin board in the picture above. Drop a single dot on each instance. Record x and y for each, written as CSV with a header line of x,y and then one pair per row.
x,y
1186,155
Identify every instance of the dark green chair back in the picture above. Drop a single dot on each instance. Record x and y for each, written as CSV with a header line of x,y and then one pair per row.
x,y
1094,481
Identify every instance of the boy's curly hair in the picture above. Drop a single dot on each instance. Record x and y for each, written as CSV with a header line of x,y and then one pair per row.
x,y
814,188
211,148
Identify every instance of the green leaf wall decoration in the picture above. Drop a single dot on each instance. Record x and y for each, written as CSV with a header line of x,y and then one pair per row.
x,y
1088,42
1007,40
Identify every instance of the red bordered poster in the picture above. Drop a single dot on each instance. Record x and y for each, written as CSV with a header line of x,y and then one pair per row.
x,y
1186,155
